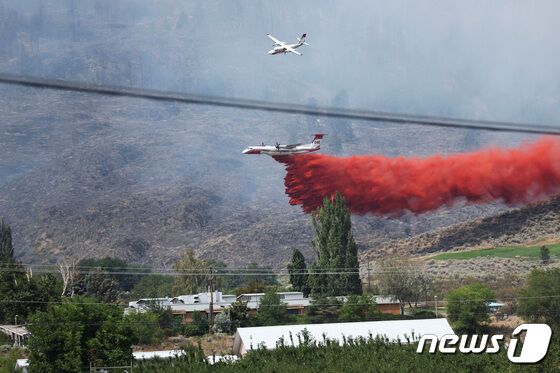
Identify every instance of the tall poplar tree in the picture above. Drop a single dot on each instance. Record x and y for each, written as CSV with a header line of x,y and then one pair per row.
x,y
298,272
6,247
337,252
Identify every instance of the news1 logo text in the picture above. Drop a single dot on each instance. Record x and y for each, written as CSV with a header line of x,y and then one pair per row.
x,y
534,348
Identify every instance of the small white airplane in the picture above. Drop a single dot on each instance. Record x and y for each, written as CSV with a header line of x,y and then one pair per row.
x,y
286,150
281,47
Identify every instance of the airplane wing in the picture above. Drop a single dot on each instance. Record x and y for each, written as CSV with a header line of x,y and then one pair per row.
x,y
292,146
290,49
274,39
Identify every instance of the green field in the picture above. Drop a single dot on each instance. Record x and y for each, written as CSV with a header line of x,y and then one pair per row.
x,y
502,252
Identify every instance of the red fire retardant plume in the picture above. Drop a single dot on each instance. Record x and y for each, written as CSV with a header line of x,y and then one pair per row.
x,y
390,186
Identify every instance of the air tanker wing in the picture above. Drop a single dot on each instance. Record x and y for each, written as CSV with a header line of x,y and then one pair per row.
x,y
290,49
274,39
291,146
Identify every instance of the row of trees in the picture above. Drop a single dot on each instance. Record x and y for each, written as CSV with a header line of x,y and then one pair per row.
x,y
354,355
21,294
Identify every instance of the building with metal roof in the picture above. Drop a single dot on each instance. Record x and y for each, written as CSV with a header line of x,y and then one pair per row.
x,y
295,302
17,333
247,339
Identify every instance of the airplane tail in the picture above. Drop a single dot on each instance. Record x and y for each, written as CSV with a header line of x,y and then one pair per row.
x,y
318,137
302,39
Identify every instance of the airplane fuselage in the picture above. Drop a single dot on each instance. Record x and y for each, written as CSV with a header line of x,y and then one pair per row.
x,y
280,49
280,150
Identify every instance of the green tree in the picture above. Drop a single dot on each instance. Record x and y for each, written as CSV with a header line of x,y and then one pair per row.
x,y
298,272
358,308
467,307
545,254
253,276
323,309
194,274
144,326
22,295
405,281
539,300
97,284
222,323
272,311
69,336
114,268
6,246
153,286
198,326
238,314
336,271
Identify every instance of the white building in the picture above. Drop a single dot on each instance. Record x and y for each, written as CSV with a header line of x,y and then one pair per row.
x,y
17,333
186,305
247,339
163,354
295,302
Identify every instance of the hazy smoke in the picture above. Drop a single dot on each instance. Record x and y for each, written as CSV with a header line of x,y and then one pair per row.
x,y
390,186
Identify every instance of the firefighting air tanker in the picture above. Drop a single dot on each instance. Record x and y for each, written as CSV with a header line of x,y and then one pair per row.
x,y
285,150
280,47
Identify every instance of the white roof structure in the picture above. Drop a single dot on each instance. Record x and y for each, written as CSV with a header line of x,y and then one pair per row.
x,y
22,365
378,299
185,303
267,336
290,298
213,359
164,354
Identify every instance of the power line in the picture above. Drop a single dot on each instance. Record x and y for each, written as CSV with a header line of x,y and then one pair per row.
x,y
247,104
507,299
43,269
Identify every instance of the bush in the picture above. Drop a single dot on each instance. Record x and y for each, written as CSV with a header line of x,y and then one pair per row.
x,y
145,327
540,299
222,323
358,355
199,325
466,307
68,337
424,314
358,308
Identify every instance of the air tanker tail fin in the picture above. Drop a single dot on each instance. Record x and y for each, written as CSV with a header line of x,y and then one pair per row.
x,y
302,39
317,138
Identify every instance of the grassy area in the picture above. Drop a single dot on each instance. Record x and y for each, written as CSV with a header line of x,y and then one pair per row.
x,y
502,252
5,340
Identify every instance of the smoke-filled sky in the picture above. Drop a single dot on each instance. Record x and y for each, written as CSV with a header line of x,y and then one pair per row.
x,y
476,59
66,156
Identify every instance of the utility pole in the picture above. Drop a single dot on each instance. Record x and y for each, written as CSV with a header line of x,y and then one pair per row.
x,y
211,299
368,279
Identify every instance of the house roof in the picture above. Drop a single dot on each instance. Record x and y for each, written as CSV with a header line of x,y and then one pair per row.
x,y
145,355
20,330
379,299
267,336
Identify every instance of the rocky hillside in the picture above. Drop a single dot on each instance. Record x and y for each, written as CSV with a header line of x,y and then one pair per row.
x,y
540,221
